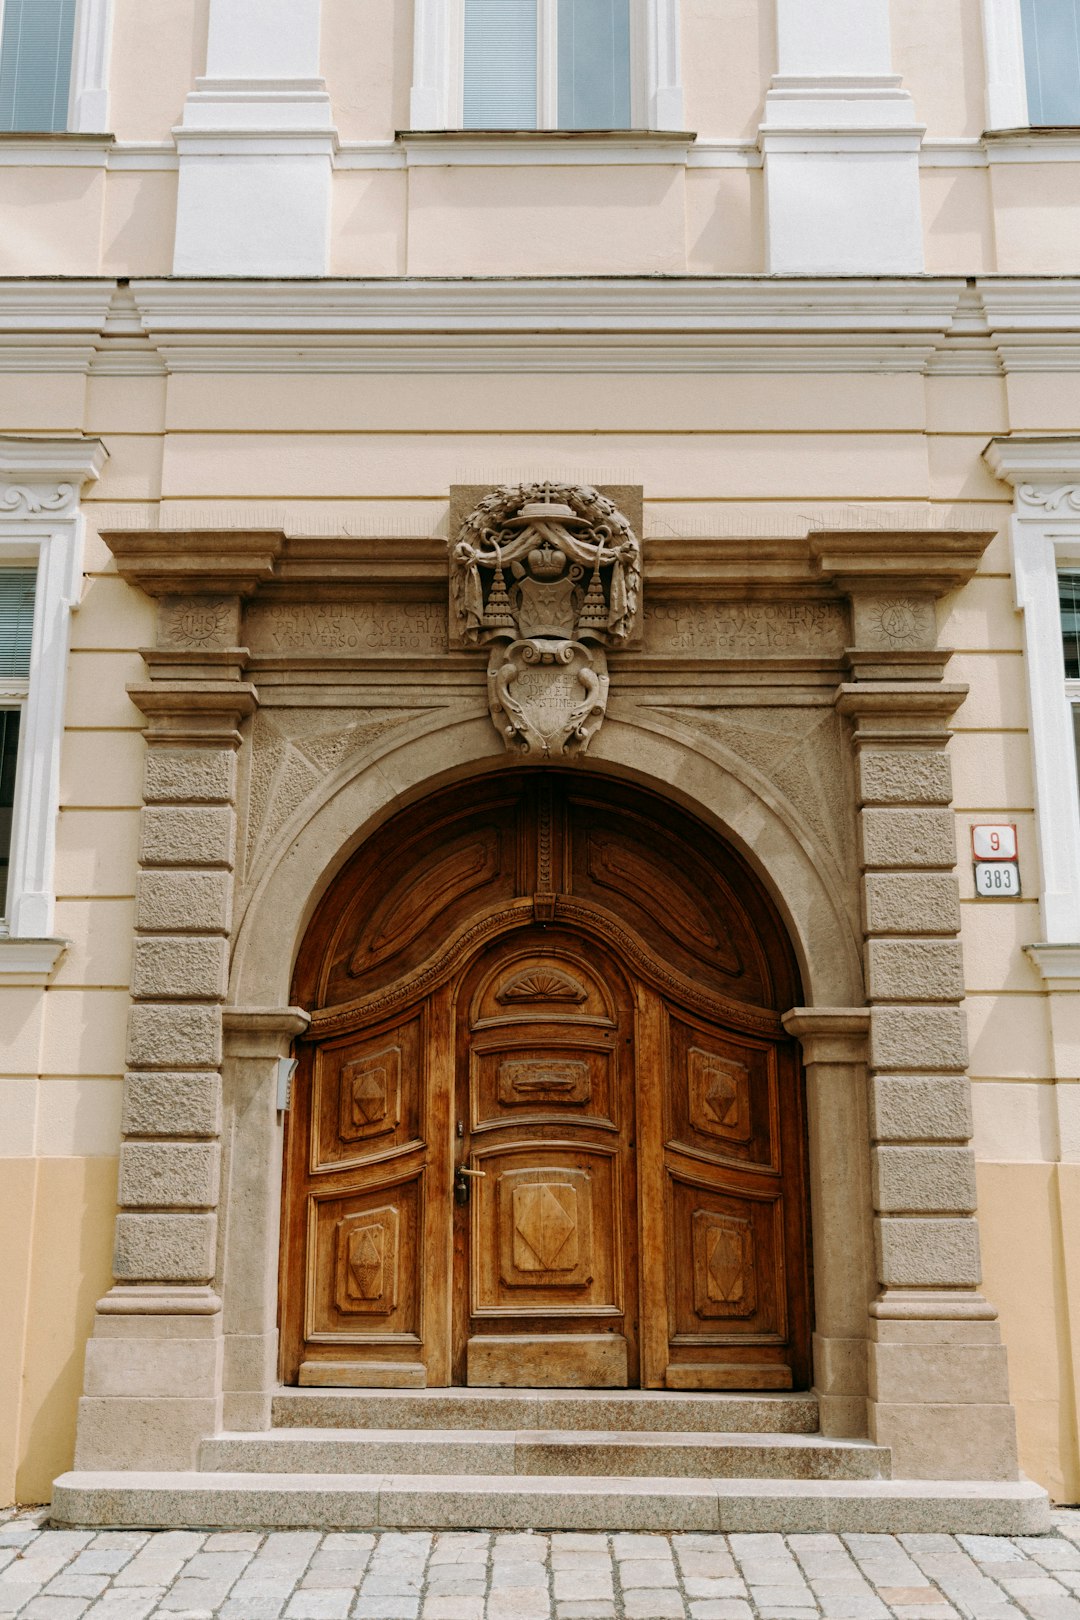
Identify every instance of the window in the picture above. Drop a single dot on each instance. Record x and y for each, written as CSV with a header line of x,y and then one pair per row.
x,y
1051,34
16,632
547,64
36,39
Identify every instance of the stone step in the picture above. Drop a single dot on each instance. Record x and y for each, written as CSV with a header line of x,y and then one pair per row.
x,y
544,1451
592,1409
363,1501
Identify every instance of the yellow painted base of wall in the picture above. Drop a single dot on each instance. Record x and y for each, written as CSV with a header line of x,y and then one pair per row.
x,y
1026,1212
57,1216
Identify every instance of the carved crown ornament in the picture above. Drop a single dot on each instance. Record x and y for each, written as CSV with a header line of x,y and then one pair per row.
x,y
548,577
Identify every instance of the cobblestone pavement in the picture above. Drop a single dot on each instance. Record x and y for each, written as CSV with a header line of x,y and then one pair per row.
x,y
469,1575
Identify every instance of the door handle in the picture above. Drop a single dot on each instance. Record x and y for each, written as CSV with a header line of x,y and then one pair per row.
x,y
461,1182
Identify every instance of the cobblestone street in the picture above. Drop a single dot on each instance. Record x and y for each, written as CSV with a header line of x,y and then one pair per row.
x,y
449,1575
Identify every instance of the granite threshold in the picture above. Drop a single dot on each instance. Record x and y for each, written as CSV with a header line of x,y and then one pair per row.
x,y
249,1501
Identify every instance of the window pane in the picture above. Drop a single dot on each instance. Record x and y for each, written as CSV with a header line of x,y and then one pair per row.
x,y
1052,60
16,620
594,64
35,63
1069,594
9,745
500,64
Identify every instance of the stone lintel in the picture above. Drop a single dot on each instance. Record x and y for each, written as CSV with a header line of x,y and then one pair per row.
x,y
929,562
191,562
830,1034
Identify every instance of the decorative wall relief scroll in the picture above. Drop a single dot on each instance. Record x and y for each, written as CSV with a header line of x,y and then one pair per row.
x,y
548,576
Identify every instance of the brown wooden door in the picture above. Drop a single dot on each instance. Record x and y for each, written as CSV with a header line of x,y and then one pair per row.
x,y
547,1127
546,1244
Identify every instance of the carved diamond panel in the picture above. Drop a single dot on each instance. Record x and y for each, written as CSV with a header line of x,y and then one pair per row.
x,y
725,1282
371,1095
719,1095
545,1227
366,1267
543,1080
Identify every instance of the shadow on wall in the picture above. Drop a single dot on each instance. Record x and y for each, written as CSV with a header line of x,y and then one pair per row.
x,y
70,1269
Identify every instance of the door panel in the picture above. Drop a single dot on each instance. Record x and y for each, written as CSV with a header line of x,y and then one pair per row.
x,y
546,1105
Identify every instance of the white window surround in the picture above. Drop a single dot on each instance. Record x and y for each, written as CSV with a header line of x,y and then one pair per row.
x,y
1006,80
41,524
89,101
88,95
1045,475
438,28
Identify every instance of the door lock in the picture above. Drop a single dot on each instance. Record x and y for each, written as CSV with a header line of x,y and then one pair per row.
x,y
461,1182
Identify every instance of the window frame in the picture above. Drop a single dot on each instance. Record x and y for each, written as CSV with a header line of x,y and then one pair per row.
x,y
1006,69
41,527
656,101
1045,533
88,88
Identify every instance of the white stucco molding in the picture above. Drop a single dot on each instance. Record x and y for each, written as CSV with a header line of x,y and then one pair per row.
x,y
1045,475
1006,81
1058,964
41,525
840,143
435,99
256,147
89,100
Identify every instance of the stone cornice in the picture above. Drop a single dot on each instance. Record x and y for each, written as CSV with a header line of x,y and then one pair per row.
x,y
678,323
924,561
279,567
203,562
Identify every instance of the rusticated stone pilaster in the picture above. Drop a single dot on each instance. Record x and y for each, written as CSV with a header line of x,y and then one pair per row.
x,y
939,1420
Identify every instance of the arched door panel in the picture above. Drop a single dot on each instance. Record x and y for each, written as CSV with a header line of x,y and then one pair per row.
x,y
547,1127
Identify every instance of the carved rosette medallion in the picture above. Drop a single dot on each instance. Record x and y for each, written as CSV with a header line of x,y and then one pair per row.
x,y
547,576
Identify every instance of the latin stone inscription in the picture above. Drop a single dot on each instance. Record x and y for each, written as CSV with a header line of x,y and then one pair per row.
x,y
548,689
363,629
740,629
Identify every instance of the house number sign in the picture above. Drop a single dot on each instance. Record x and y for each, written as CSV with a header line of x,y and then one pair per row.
x,y
997,870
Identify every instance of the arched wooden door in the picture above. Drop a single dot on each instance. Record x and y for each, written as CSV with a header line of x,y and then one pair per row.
x,y
547,1128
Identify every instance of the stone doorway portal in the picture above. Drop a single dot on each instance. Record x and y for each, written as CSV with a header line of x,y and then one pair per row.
x,y
547,1128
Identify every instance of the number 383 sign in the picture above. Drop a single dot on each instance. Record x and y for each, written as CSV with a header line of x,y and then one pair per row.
x,y
997,871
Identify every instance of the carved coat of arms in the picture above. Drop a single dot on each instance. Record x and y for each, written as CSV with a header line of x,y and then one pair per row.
x,y
548,576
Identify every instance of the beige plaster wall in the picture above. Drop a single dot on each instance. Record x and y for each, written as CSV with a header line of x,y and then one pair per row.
x,y
752,455
986,212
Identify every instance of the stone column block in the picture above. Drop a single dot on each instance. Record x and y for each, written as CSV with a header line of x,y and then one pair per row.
x,y
907,838
168,1036
165,1248
915,970
911,903
175,835
173,1367
190,775
918,1038
924,1178
181,966
918,1252
176,902
172,1104
920,1108
904,776
169,1174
